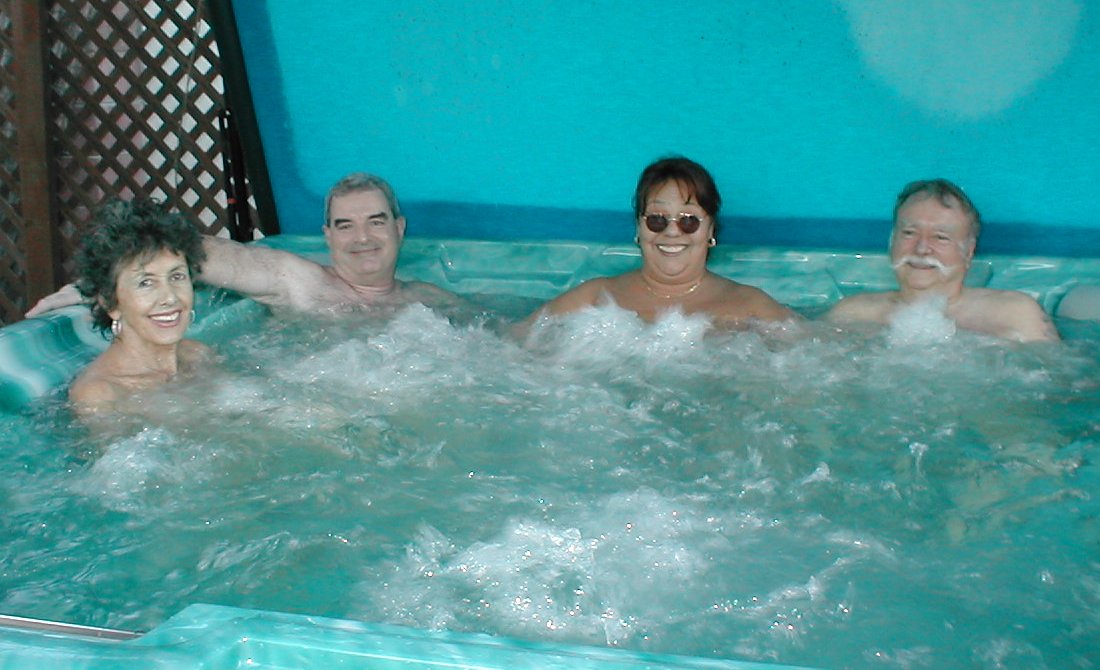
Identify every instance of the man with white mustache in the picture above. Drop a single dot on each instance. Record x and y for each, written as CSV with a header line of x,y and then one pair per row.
x,y
364,229
935,232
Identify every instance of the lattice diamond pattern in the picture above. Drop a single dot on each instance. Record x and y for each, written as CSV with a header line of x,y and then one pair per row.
x,y
13,268
135,106
134,91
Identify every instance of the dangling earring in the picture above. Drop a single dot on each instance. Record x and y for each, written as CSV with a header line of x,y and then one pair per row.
x,y
116,327
636,242
192,316
712,243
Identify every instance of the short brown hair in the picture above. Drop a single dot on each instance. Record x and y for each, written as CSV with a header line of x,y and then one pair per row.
x,y
948,195
361,181
689,175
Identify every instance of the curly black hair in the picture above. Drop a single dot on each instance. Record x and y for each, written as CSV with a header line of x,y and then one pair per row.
x,y
122,231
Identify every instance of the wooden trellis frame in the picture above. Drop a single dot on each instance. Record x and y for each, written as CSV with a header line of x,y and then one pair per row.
x,y
124,101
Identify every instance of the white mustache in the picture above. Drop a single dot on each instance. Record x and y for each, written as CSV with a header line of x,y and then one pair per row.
x,y
925,261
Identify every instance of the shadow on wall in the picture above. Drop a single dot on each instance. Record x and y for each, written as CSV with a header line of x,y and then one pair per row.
x,y
983,60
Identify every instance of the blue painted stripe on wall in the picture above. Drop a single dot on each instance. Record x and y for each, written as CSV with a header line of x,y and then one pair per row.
x,y
509,222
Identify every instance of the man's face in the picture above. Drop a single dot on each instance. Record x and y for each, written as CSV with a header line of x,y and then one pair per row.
x,y
932,245
363,237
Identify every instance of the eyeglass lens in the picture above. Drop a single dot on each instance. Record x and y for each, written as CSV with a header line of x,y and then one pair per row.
x,y
689,223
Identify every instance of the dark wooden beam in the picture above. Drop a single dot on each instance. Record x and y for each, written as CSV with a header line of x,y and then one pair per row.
x,y
238,93
33,154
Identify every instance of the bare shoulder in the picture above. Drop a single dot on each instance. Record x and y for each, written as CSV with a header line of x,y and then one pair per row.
x,y
754,303
1002,298
429,294
874,306
583,295
734,303
1010,314
93,391
195,354
576,298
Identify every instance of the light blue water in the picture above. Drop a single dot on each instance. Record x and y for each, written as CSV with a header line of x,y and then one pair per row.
x,y
893,499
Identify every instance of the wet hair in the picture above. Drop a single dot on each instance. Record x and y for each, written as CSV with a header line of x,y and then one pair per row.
x,y
948,194
361,181
693,179
121,232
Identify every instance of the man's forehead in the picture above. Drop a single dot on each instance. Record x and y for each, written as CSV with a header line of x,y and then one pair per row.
x,y
929,211
360,202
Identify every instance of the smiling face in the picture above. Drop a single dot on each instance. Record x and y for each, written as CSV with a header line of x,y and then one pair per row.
x,y
154,297
932,245
672,255
364,238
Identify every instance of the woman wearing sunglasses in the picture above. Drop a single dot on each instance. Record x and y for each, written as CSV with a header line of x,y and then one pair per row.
x,y
676,212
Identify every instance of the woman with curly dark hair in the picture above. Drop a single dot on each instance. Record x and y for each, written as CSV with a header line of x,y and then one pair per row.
x,y
136,265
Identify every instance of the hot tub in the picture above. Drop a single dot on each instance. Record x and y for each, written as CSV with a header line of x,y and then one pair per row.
x,y
650,491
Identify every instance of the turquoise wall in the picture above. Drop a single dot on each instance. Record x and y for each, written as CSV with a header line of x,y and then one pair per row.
x,y
812,110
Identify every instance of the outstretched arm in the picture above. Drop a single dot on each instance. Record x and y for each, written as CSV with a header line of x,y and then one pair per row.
x,y
266,275
62,297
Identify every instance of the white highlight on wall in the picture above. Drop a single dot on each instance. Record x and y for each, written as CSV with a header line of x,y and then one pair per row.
x,y
959,57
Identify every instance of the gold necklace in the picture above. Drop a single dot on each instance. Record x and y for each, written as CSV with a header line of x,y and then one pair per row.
x,y
664,296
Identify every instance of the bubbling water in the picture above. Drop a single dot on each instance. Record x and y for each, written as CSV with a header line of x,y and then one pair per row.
x,y
922,323
906,498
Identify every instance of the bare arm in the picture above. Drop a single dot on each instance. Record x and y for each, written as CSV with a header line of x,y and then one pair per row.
x,y
266,275
63,297
270,276
865,307
1026,320
574,299
767,308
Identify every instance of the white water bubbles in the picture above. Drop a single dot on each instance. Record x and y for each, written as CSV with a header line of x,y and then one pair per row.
x,y
612,339
605,572
146,472
663,486
922,323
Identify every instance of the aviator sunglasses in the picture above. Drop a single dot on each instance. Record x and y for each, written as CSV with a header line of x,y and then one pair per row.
x,y
689,223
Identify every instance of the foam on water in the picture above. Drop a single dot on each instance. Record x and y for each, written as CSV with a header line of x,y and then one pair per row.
x,y
603,575
608,334
804,496
924,322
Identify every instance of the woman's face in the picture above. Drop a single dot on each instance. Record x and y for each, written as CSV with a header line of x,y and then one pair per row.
x,y
154,298
672,253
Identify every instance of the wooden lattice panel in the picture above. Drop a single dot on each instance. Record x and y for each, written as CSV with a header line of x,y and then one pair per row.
x,y
13,268
135,97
